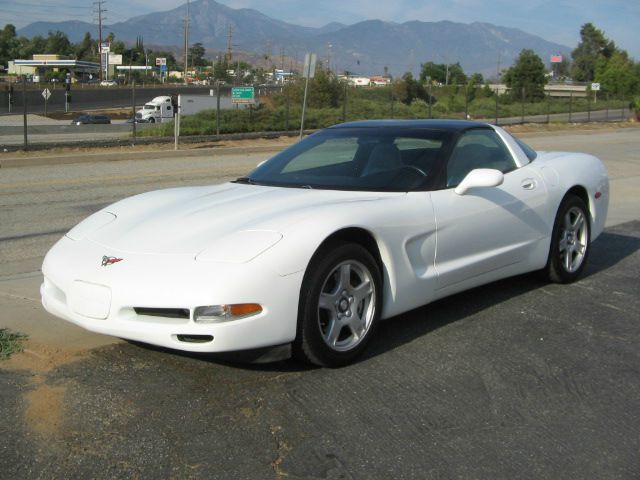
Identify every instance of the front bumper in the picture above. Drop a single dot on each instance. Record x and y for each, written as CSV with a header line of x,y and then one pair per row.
x,y
104,299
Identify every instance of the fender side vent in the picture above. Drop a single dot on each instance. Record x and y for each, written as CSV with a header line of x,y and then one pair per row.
x,y
163,312
195,338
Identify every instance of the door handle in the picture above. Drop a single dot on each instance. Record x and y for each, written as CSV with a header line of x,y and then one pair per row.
x,y
528,184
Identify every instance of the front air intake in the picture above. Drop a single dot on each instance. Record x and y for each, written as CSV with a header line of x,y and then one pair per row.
x,y
163,312
195,338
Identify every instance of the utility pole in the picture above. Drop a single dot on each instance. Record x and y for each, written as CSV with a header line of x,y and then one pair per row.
x,y
101,18
186,43
282,58
230,45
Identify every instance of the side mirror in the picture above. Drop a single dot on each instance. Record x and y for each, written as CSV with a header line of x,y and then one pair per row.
x,y
480,177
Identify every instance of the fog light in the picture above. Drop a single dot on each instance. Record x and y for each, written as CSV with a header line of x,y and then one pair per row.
x,y
225,313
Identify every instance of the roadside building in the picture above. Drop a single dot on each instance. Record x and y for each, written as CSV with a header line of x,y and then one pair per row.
x,y
37,67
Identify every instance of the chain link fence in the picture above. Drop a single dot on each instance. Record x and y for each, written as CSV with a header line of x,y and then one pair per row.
x,y
279,108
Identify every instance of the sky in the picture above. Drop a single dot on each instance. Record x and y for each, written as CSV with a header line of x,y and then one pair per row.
x,y
555,20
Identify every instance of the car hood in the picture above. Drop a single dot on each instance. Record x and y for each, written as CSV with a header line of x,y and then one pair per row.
x,y
189,220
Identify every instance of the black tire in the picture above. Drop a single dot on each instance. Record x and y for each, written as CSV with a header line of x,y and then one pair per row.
x,y
570,246
327,337
152,120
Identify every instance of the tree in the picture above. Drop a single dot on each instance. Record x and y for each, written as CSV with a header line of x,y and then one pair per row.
x,y
86,49
408,89
58,43
436,73
592,47
326,90
447,74
196,54
475,81
220,69
527,75
8,43
617,75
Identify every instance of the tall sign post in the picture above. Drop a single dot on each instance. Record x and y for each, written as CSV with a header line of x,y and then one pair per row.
x,y
105,48
24,109
46,93
67,92
162,63
595,87
555,60
309,71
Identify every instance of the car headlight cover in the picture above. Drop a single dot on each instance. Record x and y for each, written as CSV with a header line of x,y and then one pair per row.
x,y
225,313
90,224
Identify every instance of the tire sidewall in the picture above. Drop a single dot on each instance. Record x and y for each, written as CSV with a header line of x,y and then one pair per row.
x,y
309,343
556,272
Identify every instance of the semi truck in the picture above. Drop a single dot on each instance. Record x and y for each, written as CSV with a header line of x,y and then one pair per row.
x,y
163,108
160,109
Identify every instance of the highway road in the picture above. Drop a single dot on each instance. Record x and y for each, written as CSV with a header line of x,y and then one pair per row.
x,y
517,379
46,131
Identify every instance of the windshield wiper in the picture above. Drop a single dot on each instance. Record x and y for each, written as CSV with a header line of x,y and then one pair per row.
x,y
247,180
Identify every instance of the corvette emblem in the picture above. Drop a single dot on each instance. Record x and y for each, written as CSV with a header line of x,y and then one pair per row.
x,y
106,261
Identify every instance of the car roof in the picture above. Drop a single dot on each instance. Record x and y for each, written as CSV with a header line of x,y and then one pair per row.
x,y
436,124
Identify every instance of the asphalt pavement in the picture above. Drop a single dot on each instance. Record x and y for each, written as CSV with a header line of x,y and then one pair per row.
x,y
517,379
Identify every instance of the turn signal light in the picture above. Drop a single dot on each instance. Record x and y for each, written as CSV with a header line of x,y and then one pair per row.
x,y
225,313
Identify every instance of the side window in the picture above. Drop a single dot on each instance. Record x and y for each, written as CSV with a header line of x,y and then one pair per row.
x,y
480,148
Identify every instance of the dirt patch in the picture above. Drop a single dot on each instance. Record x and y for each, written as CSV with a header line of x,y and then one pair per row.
x,y
44,412
574,128
39,358
279,142
45,406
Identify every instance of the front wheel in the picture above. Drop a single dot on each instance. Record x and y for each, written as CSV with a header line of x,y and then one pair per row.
x,y
340,304
152,120
570,241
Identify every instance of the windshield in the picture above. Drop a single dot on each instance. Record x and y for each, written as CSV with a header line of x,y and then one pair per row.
x,y
373,159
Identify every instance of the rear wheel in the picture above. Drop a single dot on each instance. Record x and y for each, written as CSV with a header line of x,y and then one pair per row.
x,y
340,303
570,241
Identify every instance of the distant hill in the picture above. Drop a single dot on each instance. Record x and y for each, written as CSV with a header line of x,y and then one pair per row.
x,y
365,47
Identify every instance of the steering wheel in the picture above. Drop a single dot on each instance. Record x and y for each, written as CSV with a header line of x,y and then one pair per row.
x,y
412,168
417,173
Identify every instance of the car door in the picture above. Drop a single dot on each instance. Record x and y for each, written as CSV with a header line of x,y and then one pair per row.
x,y
488,232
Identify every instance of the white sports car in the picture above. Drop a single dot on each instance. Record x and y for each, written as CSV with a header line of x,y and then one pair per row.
x,y
356,223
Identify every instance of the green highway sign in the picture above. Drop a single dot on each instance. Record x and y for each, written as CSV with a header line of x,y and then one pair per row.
x,y
242,95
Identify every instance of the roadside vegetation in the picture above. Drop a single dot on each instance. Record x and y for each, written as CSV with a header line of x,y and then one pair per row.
x,y
10,343
281,112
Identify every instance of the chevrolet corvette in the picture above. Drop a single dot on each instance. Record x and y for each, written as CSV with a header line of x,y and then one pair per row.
x,y
356,223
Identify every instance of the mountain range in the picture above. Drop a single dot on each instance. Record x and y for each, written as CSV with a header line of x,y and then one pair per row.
x,y
366,47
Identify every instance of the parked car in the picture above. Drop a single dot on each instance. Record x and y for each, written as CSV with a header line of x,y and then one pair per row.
x,y
90,119
354,224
